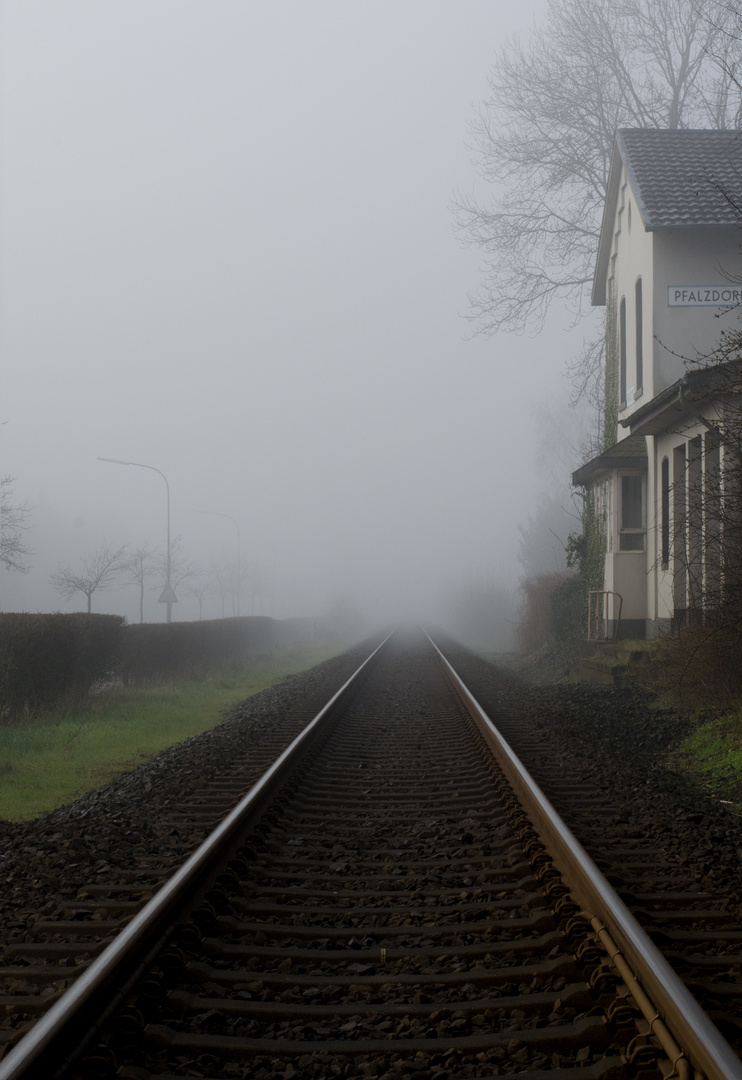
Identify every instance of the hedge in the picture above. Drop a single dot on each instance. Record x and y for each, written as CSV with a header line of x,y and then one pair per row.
x,y
153,650
46,659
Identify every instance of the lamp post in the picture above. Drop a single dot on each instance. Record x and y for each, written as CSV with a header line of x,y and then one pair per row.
x,y
214,513
169,592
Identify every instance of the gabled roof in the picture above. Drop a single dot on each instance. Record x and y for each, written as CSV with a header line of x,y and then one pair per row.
x,y
680,179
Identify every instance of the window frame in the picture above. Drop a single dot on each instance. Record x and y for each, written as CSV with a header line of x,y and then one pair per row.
x,y
632,538
622,383
639,324
665,487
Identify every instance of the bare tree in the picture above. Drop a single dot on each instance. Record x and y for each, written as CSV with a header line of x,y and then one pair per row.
x,y
181,568
100,572
225,582
544,138
200,588
725,16
13,549
542,539
138,567
253,582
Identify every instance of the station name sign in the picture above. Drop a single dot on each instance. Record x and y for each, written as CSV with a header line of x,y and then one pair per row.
x,y
703,295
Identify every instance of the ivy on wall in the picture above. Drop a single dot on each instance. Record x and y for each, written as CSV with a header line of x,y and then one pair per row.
x,y
586,551
592,566
586,554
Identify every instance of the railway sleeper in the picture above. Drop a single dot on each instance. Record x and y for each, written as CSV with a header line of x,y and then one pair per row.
x,y
607,1068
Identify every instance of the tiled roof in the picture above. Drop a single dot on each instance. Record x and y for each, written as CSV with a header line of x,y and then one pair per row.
x,y
681,177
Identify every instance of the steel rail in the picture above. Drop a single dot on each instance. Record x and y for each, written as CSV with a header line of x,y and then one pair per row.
x,y
706,1048
45,1049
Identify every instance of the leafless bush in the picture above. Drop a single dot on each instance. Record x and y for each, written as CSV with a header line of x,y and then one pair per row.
x,y
535,628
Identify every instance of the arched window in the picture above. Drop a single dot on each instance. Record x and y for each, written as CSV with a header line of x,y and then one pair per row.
x,y
665,514
639,338
622,351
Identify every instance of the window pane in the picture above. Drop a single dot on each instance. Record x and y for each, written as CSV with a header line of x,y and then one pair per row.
x,y
633,541
631,503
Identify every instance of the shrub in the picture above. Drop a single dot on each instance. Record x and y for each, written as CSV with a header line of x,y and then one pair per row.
x,y
568,617
535,629
699,665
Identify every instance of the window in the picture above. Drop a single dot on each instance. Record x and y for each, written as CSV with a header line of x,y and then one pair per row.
x,y
632,529
665,514
622,350
679,536
639,338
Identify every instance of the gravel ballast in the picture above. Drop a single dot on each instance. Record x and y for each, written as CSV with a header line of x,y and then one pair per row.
x,y
131,818
610,736
614,738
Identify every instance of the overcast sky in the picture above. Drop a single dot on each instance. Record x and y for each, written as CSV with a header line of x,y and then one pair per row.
x,y
228,252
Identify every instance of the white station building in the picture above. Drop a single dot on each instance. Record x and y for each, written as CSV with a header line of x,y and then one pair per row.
x,y
669,271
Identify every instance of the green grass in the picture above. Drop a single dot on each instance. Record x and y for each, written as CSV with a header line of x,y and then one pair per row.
x,y
51,760
712,754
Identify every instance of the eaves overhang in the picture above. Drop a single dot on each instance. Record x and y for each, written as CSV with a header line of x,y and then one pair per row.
x,y
661,413
630,453
681,401
600,276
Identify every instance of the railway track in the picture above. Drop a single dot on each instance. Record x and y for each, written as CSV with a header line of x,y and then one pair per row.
x,y
390,901
694,928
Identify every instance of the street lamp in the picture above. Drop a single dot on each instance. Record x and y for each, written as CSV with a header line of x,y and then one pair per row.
x,y
168,594
214,513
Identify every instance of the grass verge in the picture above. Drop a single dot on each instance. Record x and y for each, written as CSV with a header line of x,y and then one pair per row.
x,y
51,760
712,754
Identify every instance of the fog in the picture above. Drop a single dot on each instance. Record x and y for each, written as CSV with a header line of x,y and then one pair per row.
x,y
228,253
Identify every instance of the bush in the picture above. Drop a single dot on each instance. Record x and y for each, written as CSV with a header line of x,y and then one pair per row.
x,y
568,618
698,665
536,627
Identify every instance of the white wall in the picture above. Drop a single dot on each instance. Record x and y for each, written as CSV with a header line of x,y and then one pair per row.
x,y
688,257
631,258
672,336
